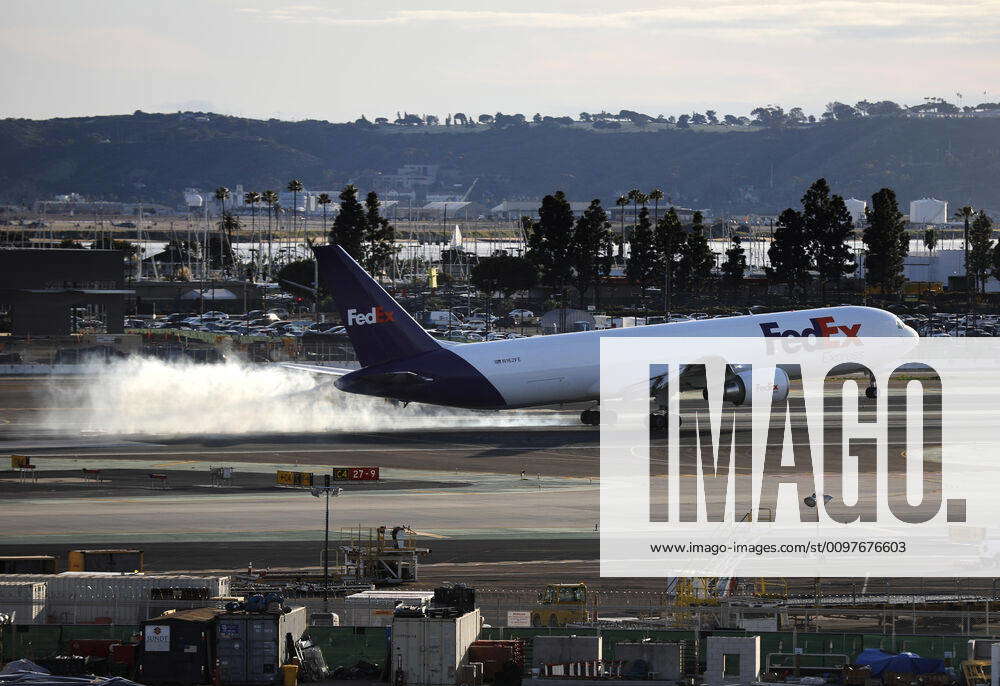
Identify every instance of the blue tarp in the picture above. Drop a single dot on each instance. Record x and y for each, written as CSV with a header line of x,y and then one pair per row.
x,y
903,663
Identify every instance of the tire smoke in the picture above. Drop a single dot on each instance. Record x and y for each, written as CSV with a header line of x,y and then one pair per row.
x,y
148,396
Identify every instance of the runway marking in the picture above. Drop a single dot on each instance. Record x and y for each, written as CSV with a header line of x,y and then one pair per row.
x,y
112,500
290,453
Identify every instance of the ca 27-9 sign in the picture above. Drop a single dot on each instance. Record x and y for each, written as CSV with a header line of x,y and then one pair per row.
x,y
355,473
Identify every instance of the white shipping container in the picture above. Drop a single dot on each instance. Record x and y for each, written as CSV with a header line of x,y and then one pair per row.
x,y
375,608
25,600
430,651
89,597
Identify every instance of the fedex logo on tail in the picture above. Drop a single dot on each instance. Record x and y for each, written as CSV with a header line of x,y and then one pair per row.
x,y
377,315
822,327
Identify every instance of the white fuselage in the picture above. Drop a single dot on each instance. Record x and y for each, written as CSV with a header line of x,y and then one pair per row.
x,y
566,368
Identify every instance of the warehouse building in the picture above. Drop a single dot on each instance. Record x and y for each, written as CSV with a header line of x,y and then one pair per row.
x,y
39,289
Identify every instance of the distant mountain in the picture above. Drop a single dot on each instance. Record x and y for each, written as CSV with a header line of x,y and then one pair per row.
x,y
740,169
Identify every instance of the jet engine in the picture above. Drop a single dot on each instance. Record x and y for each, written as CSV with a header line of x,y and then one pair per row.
x,y
739,387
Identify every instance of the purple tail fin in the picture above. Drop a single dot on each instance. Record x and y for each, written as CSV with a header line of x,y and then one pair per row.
x,y
380,330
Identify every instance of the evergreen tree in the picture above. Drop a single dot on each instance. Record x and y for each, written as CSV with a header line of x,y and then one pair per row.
x,y
669,240
379,237
228,225
789,252
930,239
348,228
643,262
980,244
504,273
886,243
550,240
697,258
591,248
828,225
735,266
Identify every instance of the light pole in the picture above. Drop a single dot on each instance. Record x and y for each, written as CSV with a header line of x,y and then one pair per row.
x,y
329,491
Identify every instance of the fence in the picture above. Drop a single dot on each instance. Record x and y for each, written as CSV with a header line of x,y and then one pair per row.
x,y
347,645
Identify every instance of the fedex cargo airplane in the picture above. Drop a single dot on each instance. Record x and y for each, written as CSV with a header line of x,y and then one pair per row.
x,y
401,361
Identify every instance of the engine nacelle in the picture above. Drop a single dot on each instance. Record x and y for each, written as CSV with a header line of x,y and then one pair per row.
x,y
738,389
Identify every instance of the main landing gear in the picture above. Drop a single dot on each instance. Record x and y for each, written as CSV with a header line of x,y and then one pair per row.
x,y
871,392
658,419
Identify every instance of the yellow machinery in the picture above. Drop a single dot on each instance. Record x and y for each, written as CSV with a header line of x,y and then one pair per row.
x,y
976,672
105,561
561,604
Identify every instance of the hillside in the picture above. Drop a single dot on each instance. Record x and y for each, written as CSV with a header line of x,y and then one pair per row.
x,y
156,156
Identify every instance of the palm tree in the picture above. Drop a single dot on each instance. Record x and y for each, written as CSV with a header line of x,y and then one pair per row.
x,y
622,201
633,196
965,213
656,195
222,195
270,199
251,198
294,186
324,199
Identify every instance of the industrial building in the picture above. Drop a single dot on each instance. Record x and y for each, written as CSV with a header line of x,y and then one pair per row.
x,y
945,267
41,288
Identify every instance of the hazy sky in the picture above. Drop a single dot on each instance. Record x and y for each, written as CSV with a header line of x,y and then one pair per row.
x,y
338,59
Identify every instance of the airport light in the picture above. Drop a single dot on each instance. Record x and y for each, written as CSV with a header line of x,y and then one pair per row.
x,y
333,491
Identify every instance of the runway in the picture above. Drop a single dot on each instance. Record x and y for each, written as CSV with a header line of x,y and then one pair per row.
x,y
509,500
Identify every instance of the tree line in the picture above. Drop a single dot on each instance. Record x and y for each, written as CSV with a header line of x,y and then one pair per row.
x,y
564,251
811,243
762,115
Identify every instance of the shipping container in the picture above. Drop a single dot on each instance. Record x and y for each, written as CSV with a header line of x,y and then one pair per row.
x,y
375,608
108,598
25,600
177,647
105,561
27,564
429,651
251,647
495,654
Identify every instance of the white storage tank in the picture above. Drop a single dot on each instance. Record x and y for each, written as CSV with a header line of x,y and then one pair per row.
x,y
193,199
25,600
375,608
928,211
857,209
430,650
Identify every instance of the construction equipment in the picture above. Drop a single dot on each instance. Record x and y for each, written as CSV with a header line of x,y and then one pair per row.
x,y
382,555
976,672
561,604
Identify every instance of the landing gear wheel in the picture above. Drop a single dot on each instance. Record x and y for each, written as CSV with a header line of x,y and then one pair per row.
x,y
658,421
591,417
871,392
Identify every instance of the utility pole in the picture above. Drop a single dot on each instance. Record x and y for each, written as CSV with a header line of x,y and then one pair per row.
x,y
329,491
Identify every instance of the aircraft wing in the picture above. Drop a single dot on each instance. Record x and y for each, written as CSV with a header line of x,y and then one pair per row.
x,y
316,368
